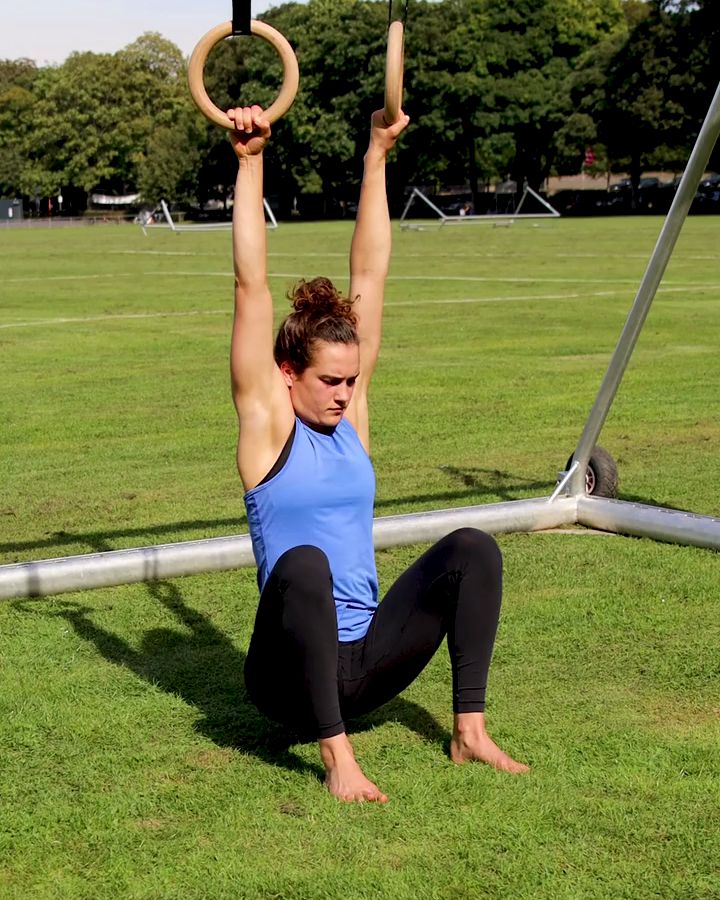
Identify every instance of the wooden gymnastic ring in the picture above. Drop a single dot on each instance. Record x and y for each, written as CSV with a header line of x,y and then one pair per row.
x,y
196,69
394,65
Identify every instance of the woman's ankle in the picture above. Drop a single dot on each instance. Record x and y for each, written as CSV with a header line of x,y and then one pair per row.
x,y
335,750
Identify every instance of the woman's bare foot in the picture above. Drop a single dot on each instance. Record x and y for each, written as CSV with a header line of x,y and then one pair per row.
x,y
343,776
470,741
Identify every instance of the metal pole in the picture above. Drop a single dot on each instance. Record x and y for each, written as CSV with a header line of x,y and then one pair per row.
x,y
408,205
528,190
95,570
646,292
272,221
418,193
671,525
166,213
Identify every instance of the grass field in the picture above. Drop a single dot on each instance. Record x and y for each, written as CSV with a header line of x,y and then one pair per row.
x,y
132,764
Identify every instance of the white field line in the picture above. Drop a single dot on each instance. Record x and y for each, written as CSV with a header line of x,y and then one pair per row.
x,y
205,253
147,315
530,297
152,253
484,279
523,298
109,276
31,278
400,255
679,256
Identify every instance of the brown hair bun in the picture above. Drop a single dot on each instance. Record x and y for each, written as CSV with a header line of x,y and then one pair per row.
x,y
320,313
319,298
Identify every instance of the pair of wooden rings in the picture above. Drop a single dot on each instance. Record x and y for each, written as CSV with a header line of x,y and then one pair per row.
x,y
394,65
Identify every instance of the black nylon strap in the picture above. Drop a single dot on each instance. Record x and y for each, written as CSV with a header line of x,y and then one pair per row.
x,y
241,17
404,14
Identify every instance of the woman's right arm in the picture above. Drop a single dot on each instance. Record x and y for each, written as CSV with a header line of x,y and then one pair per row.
x,y
259,392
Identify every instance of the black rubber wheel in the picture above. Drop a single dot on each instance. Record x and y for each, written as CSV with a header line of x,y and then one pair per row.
x,y
601,476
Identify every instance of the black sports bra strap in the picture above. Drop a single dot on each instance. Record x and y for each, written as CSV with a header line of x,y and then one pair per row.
x,y
283,458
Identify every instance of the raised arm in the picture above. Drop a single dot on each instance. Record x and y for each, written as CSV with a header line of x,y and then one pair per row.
x,y
260,397
370,259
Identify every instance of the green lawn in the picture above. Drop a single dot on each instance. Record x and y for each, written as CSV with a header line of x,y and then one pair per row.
x,y
132,763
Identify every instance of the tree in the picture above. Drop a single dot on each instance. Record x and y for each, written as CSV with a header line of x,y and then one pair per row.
x,y
168,168
167,164
96,112
645,118
17,98
494,88
531,48
588,95
704,27
492,81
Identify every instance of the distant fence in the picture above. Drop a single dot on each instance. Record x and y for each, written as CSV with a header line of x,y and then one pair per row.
x,y
65,222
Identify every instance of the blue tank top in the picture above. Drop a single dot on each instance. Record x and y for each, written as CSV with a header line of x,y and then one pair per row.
x,y
322,496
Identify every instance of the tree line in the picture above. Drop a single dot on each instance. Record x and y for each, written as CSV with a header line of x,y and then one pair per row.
x,y
496,89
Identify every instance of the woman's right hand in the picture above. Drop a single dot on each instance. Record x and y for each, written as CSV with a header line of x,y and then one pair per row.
x,y
384,136
252,130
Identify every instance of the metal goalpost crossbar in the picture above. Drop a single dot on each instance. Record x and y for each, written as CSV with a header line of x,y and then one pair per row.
x,y
445,219
567,505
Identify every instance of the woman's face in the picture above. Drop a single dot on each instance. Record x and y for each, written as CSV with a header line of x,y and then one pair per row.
x,y
321,394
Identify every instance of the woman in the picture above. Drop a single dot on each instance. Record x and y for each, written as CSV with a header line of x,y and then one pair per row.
x,y
322,649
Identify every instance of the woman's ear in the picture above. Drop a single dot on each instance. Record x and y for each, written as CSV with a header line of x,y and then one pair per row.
x,y
288,374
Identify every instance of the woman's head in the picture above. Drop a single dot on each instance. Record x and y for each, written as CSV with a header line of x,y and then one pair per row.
x,y
320,314
317,350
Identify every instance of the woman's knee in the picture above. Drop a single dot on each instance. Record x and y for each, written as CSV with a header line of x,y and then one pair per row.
x,y
302,579
305,564
469,549
474,545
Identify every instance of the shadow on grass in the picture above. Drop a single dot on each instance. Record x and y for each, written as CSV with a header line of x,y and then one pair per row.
x,y
202,665
476,483
493,481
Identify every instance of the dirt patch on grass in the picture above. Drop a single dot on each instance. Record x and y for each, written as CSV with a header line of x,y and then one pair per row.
x,y
151,824
217,758
678,719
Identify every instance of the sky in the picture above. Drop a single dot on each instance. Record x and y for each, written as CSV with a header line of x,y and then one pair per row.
x,y
48,31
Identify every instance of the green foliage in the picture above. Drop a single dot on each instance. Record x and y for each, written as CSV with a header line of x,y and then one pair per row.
x,y
87,123
168,168
494,88
647,90
647,83
17,80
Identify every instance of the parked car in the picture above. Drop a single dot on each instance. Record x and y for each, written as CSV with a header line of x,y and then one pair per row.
x,y
620,195
712,183
644,185
707,198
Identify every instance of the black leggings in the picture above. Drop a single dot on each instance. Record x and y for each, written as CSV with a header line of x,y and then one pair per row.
x,y
298,673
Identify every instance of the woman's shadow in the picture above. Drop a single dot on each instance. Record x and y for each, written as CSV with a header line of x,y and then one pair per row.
x,y
202,665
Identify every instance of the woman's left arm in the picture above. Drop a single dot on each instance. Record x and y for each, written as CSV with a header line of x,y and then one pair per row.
x,y
369,262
